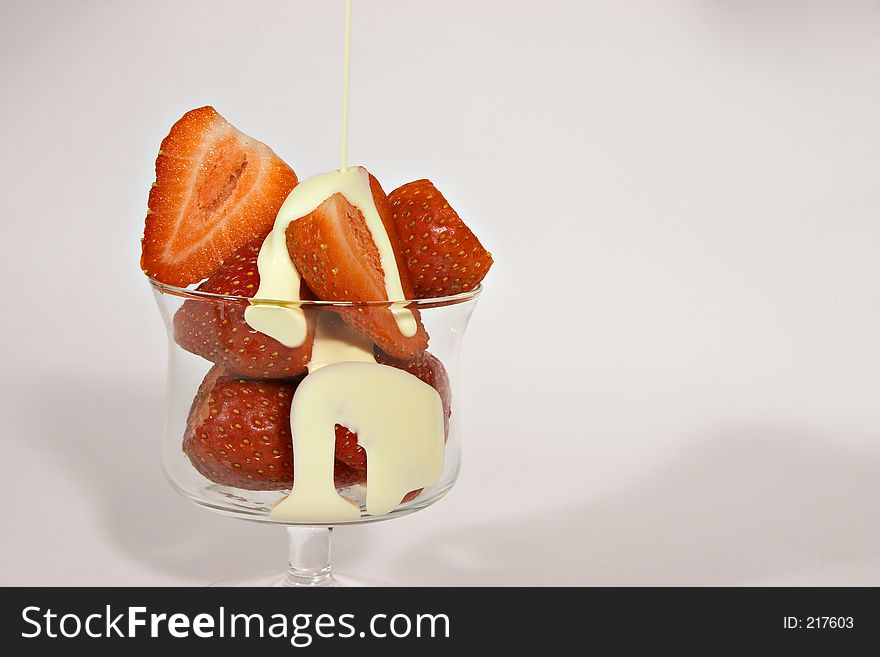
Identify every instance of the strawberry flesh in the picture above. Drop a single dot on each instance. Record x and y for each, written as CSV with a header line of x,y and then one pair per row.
x,y
334,252
216,189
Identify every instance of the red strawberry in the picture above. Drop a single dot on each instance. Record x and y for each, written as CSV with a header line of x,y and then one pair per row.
x,y
345,476
348,451
216,330
442,255
335,253
238,434
216,189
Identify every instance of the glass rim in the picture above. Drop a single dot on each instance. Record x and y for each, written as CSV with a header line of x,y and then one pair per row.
x,y
431,302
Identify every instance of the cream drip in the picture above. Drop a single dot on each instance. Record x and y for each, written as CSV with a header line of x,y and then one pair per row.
x,y
279,279
337,342
399,422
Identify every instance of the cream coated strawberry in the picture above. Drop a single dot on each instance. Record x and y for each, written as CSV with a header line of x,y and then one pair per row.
x,y
216,189
334,252
442,255
427,368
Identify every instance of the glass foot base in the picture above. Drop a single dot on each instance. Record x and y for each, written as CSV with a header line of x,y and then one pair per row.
x,y
283,580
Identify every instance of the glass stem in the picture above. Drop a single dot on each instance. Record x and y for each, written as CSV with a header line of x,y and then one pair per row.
x,y
308,563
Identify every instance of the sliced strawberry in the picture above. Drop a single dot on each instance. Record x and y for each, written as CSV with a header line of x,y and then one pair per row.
x,y
334,251
217,331
442,255
216,189
238,434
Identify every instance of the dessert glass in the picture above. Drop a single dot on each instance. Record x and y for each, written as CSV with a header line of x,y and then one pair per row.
x,y
445,319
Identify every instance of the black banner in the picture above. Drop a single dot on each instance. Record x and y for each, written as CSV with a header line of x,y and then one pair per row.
x,y
398,621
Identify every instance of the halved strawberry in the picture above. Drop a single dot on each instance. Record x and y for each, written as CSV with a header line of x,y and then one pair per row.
x,y
217,331
442,255
238,434
334,251
216,189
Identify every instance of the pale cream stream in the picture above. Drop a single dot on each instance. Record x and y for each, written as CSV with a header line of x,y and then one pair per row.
x,y
337,342
398,418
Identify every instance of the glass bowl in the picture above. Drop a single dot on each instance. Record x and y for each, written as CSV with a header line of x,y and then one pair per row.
x,y
445,320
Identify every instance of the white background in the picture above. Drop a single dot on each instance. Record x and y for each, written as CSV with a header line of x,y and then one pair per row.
x,y
673,376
